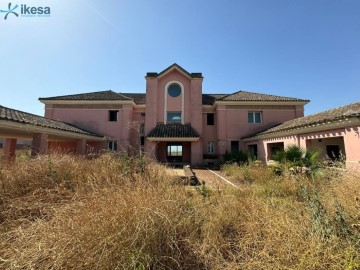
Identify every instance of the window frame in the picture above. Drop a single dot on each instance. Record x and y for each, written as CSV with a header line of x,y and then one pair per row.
x,y
170,153
172,121
253,115
112,146
174,84
211,148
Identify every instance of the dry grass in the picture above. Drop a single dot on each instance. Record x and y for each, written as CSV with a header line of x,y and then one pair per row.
x,y
115,212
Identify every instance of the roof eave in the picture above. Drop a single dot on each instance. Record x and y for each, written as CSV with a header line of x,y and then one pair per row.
x,y
48,130
57,101
255,102
324,126
173,139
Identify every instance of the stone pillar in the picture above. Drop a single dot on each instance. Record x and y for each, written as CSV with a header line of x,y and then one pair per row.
x,y
9,150
39,144
81,147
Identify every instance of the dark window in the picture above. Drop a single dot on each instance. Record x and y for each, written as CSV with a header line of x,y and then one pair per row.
x,y
210,119
112,145
142,114
274,148
174,117
142,140
234,146
142,128
253,150
113,115
174,90
254,117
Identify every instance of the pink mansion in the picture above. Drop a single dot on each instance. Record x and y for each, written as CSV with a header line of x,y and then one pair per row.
x,y
174,121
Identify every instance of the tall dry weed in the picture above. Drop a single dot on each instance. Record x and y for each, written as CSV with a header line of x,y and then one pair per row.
x,y
116,212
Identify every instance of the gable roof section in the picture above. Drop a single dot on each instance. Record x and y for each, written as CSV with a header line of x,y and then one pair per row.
x,y
340,113
252,96
173,130
174,66
9,114
101,95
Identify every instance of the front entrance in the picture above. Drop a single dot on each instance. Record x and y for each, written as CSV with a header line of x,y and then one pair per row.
x,y
174,153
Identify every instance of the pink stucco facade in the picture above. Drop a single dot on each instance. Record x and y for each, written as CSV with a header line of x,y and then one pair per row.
x,y
344,140
222,134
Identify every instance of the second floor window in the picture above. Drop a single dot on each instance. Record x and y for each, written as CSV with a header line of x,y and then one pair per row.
x,y
113,116
210,119
174,117
254,117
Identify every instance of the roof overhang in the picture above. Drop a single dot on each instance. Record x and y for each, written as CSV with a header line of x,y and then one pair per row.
x,y
318,127
84,102
175,139
22,130
292,103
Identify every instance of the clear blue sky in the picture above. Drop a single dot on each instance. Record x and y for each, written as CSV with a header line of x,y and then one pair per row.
x,y
307,49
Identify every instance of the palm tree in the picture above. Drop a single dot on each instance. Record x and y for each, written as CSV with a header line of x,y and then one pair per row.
x,y
295,156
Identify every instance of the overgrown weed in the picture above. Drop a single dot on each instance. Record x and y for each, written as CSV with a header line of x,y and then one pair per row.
x,y
120,212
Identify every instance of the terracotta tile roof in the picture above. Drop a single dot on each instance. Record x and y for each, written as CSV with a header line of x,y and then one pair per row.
x,y
8,114
209,99
351,110
251,96
101,95
139,98
173,130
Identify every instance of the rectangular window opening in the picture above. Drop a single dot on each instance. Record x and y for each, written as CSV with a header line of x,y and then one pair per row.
x,y
142,128
174,117
211,148
210,119
234,146
112,146
113,116
174,150
254,117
